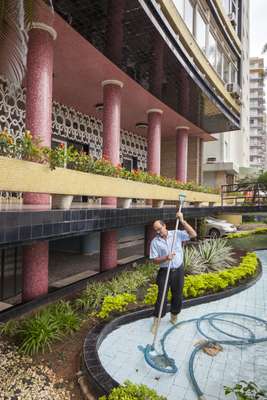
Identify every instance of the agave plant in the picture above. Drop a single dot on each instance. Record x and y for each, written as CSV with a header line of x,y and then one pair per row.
x,y
216,254
193,262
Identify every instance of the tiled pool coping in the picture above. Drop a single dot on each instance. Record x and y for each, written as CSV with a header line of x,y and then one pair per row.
x,y
93,368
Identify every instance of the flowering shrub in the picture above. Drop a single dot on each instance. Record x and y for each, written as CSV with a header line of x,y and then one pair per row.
x,y
28,148
198,285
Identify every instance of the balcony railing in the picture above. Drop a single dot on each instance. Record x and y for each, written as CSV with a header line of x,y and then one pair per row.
x,y
245,193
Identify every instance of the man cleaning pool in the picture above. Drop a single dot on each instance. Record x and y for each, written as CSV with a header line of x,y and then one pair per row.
x,y
160,253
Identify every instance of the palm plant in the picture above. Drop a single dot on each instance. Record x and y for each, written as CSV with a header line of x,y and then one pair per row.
x,y
16,18
15,21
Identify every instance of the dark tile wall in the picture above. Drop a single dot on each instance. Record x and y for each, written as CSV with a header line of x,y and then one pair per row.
x,y
18,227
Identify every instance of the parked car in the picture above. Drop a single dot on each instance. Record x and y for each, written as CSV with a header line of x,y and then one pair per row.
x,y
215,228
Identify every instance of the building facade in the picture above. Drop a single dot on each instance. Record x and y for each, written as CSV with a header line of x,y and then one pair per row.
x,y
258,138
142,83
223,158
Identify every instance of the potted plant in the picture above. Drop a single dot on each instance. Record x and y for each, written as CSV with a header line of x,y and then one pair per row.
x,y
246,391
58,157
124,202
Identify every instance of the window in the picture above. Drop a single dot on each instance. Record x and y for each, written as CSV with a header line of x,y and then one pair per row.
x,y
201,29
212,50
127,163
188,15
219,62
233,73
179,4
226,7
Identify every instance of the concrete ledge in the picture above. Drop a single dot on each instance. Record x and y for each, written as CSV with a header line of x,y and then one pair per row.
x,y
24,176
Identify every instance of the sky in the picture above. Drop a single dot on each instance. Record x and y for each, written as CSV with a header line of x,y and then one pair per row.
x,y
258,27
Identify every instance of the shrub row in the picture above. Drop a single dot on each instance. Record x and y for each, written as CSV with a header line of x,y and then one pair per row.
x,y
30,149
257,231
36,333
39,331
198,285
126,282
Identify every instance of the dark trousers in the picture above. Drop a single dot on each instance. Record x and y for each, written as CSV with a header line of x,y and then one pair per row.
x,y
175,283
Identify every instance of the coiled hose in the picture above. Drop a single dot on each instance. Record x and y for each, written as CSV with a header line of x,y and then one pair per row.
x,y
212,319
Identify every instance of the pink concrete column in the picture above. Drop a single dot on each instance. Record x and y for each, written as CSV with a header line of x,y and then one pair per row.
x,y
39,92
154,140
111,126
181,153
149,236
111,151
38,121
108,250
35,271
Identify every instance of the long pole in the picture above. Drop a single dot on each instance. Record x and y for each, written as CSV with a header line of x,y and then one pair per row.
x,y
166,281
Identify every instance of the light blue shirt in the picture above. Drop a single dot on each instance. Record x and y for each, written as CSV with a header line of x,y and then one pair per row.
x,y
161,247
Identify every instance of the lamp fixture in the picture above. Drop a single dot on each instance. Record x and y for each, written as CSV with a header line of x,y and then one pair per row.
x,y
99,106
142,125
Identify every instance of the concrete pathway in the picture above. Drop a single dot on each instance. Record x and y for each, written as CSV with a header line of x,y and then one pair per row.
x,y
122,360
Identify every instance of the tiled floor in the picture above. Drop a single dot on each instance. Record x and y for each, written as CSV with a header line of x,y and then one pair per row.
x,y
122,360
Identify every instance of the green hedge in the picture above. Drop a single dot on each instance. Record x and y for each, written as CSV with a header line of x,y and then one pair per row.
x,y
198,285
130,391
257,231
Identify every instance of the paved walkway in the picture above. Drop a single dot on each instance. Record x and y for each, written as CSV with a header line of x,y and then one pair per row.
x,y
122,360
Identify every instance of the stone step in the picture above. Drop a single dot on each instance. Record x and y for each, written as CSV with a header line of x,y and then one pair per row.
x,y
129,259
71,279
4,306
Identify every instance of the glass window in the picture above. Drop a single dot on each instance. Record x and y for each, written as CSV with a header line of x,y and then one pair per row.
x,y
179,4
201,31
233,73
226,70
219,62
226,7
188,15
212,50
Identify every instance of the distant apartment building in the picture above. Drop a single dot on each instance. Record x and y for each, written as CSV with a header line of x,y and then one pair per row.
x,y
258,156
223,158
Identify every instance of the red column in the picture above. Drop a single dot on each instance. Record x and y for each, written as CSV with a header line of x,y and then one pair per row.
x,y
153,159
111,126
35,270
39,84
111,151
154,140
181,153
38,121
108,250
149,235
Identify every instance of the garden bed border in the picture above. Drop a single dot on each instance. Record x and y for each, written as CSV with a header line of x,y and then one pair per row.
x,y
96,374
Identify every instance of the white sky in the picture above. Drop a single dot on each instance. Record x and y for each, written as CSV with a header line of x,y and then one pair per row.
x,y
258,28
